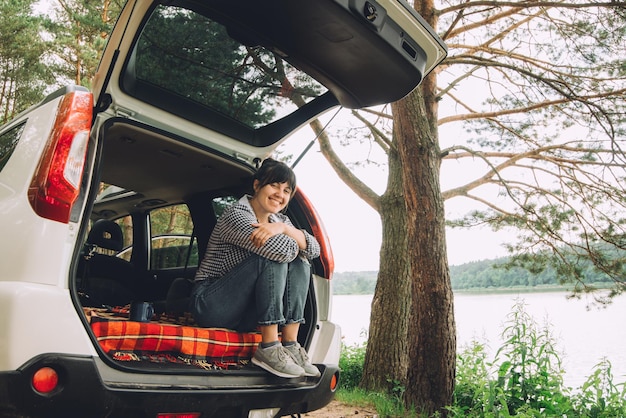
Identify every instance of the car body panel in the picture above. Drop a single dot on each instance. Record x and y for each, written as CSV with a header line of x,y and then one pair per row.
x,y
28,233
38,331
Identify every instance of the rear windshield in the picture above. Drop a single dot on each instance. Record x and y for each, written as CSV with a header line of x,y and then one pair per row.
x,y
186,56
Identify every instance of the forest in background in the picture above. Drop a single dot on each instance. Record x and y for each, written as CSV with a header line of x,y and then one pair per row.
x,y
483,275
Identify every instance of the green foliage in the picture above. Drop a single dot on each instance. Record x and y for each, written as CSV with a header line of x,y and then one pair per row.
x,y
474,387
386,404
194,56
485,274
354,283
475,275
22,72
524,271
79,30
523,380
174,219
351,365
44,50
529,372
41,53
599,396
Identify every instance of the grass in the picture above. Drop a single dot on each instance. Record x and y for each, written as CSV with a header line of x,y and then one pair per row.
x,y
385,405
524,379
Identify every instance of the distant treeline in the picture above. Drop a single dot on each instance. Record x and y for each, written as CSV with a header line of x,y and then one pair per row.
x,y
477,275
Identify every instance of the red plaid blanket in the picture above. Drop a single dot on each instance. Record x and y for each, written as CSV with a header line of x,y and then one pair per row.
x,y
153,341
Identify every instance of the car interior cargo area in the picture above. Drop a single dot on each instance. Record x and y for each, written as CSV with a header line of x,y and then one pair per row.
x,y
160,197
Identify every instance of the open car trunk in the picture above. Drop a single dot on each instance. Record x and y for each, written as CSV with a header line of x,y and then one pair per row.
x,y
190,98
153,173
117,189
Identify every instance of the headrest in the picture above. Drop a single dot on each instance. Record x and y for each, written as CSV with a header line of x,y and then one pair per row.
x,y
106,234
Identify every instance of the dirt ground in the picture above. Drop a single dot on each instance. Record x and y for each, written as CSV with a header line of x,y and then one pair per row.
x,y
335,409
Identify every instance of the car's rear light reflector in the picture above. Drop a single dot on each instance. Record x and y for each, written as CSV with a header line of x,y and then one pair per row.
x,y
179,415
56,183
45,380
334,382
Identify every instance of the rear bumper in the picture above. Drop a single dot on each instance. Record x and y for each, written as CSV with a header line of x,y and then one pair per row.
x,y
82,392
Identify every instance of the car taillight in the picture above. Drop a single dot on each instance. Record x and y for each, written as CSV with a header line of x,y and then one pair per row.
x,y
326,254
56,183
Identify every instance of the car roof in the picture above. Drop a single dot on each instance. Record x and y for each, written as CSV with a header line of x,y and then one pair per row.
x,y
240,77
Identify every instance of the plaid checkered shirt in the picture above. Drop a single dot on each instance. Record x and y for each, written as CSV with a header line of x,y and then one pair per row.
x,y
230,242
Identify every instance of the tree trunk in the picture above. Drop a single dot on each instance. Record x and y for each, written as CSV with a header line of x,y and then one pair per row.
x,y
386,355
431,330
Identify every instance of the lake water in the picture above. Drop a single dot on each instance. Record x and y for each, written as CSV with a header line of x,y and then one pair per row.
x,y
583,336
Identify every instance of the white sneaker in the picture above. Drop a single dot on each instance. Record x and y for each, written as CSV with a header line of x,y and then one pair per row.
x,y
302,359
277,360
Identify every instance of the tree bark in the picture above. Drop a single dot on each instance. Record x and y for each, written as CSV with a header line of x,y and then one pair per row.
x,y
431,329
412,334
386,356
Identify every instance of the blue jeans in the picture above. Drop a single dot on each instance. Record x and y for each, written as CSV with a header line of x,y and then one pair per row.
x,y
256,292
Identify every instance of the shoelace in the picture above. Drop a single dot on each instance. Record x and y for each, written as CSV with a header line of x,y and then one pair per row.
x,y
303,354
283,355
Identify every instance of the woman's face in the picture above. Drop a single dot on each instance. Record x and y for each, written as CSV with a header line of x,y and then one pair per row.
x,y
272,197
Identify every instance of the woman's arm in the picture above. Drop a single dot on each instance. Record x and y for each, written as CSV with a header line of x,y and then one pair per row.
x,y
307,244
264,231
242,230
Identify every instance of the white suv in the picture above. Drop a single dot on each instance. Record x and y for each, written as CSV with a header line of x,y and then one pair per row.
x,y
108,197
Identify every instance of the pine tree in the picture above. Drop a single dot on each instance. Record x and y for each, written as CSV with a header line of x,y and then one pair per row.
x,y
23,74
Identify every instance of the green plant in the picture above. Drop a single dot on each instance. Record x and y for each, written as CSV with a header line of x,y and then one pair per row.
x,y
351,362
527,370
387,405
397,389
530,374
525,379
599,397
474,390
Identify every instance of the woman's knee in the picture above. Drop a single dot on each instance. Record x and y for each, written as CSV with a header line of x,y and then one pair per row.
x,y
299,269
274,266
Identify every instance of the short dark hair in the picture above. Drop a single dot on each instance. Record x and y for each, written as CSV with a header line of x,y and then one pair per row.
x,y
272,171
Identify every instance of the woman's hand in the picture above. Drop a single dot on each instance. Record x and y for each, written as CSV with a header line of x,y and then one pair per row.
x,y
265,231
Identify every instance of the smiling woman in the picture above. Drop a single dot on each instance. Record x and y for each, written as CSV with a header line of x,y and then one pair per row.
x,y
258,261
